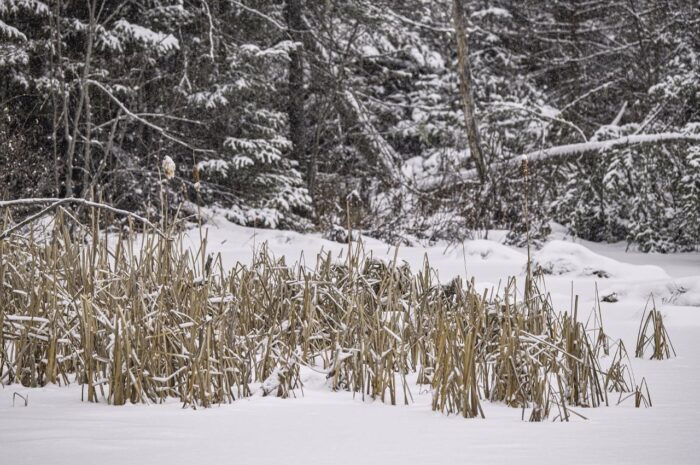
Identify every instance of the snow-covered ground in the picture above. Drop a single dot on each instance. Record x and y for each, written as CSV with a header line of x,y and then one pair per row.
x,y
324,427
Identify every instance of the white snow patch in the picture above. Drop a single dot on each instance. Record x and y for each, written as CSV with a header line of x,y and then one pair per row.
x,y
567,258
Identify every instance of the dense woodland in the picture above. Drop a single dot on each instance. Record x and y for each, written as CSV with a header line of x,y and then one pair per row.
x,y
406,119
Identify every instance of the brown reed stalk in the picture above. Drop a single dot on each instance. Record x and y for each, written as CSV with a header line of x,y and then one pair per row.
x,y
140,318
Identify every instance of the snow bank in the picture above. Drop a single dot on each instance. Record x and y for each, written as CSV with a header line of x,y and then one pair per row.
x,y
675,291
482,249
488,261
567,258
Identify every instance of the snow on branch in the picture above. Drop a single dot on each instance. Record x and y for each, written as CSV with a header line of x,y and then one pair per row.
x,y
11,32
163,43
597,146
569,150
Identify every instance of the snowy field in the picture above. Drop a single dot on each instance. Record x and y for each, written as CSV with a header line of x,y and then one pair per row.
x,y
325,427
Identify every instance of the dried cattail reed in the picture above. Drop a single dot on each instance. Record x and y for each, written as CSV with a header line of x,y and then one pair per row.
x,y
143,319
658,340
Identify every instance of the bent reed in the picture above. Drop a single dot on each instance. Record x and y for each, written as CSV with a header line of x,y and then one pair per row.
x,y
139,318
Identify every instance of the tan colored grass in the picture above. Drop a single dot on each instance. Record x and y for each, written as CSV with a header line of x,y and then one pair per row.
x,y
143,319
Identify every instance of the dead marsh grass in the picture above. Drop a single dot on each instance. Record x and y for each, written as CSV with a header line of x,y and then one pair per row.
x,y
143,319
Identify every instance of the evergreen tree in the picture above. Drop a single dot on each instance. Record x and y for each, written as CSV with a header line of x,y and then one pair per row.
x,y
352,112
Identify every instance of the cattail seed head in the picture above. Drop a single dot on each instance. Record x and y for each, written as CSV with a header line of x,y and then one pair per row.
x,y
196,177
523,166
168,166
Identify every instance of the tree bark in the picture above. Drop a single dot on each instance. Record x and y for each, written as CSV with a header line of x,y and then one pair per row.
x,y
70,154
465,88
295,110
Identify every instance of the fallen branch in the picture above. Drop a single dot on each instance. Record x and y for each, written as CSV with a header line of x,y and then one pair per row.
x,y
568,150
596,146
55,203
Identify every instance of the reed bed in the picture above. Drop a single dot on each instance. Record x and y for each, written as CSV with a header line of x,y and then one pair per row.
x,y
653,334
141,318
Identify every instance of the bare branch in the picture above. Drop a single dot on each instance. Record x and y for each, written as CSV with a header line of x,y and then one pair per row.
x,y
268,18
542,115
135,116
55,203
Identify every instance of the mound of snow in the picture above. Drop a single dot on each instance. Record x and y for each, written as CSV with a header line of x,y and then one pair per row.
x,y
482,249
567,258
488,261
675,291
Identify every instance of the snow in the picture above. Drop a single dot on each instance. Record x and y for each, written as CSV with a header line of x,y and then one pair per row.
x,y
566,258
163,43
492,11
218,166
11,32
676,265
319,426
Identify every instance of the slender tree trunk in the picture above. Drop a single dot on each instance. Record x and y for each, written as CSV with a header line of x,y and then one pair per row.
x,y
87,153
465,87
54,62
70,155
643,51
297,116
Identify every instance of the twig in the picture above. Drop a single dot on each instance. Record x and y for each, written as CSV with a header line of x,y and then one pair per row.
x,y
135,116
25,399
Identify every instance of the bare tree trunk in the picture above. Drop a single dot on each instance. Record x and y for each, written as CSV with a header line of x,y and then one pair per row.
x,y
54,62
295,110
70,154
465,87
87,153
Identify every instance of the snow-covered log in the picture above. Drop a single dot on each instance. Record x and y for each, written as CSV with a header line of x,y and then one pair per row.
x,y
569,150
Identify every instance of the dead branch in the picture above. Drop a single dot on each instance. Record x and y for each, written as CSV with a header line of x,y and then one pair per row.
x,y
55,203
